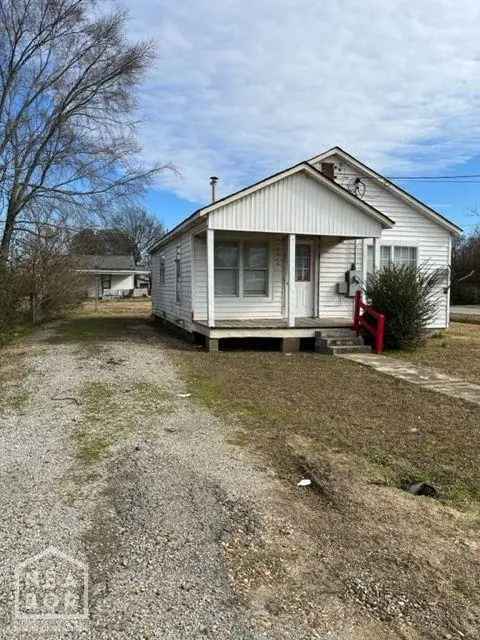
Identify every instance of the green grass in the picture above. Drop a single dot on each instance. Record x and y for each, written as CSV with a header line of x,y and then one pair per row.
x,y
91,329
111,413
15,334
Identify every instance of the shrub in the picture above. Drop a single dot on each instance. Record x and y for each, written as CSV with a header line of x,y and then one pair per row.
x,y
10,302
407,296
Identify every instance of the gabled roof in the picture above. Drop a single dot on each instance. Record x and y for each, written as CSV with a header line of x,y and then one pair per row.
x,y
392,187
305,167
104,263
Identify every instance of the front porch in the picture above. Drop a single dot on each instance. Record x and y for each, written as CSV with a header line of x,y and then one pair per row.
x,y
274,285
306,326
290,337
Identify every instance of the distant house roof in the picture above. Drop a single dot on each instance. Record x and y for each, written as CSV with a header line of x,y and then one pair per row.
x,y
117,263
109,263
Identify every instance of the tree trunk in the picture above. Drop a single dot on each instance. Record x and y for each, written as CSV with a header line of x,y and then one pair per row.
x,y
6,241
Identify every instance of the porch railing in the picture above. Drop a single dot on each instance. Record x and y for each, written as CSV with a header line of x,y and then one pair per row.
x,y
361,313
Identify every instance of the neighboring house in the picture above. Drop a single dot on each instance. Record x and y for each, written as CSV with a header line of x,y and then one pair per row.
x,y
113,276
283,257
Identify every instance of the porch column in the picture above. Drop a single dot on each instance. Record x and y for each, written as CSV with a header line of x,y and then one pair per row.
x,y
364,261
291,280
376,255
210,278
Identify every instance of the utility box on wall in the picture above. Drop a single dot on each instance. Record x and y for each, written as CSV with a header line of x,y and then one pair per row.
x,y
354,280
352,283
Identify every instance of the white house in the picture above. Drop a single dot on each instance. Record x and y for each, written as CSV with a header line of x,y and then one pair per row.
x,y
113,276
283,257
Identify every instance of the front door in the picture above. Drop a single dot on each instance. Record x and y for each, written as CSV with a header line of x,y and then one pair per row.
x,y
304,277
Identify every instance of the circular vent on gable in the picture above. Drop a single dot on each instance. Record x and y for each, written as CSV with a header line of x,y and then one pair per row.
x,y
357,187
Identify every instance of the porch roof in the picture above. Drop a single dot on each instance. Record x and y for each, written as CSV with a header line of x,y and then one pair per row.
x,y
321,199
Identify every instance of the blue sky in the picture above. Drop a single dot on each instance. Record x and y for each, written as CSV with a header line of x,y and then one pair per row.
x,y
241,94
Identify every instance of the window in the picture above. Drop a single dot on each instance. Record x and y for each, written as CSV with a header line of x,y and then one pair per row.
x,y
241,269
303,260
162,270
227,257
385,256
106,282
405,256
369,258
398,255
178,277
255,270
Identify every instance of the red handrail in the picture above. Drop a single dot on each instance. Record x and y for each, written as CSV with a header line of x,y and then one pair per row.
x,y
359,321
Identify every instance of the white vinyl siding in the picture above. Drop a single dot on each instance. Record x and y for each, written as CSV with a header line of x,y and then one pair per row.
x,y
412,228
169,301
336,257
296,204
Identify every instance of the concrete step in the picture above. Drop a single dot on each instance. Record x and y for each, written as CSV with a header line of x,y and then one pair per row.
x,y
339,350
335,333
339,341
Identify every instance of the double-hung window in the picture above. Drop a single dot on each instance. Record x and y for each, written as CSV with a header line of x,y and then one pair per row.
x,y
255,269
241,269
227,265
405,256
391,254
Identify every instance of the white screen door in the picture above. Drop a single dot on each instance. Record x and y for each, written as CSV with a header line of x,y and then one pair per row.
x,y
304,280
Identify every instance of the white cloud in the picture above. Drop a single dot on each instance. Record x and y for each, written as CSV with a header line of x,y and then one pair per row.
x,y
243,89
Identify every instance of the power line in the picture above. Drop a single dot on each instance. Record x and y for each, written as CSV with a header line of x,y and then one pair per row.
x,y
466,177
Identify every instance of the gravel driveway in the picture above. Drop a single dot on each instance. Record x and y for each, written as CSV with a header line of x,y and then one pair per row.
x,y
105,460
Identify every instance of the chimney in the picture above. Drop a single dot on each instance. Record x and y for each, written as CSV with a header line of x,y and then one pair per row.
x,y
328,170
213,184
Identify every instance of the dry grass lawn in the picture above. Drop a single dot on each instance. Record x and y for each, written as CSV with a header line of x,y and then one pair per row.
x,y
412,563
455,352
406,432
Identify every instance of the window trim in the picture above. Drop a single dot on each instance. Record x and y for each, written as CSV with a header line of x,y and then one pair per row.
x,y
267,270
311,261
237,269
241,244
392,246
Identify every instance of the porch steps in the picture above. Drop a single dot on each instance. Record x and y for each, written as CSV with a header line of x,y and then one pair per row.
x,y
339,341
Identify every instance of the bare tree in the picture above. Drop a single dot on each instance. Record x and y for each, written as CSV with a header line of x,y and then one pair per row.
x,y
67,81
139,226
101,242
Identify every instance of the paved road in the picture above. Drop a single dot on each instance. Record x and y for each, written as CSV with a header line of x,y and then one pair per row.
x,y
465,310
